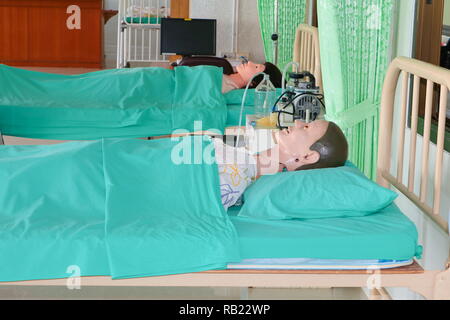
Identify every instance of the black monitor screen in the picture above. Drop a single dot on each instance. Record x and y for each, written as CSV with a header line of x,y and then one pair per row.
x,y
188,36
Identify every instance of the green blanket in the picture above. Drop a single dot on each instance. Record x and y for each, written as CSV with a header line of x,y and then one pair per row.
x,y
136,102
117,207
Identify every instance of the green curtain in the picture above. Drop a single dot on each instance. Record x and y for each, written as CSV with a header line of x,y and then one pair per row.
x,y
354,43
291,13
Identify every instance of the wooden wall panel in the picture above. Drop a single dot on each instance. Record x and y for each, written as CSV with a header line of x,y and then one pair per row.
x,y
179,8
34,33
428,44
429,31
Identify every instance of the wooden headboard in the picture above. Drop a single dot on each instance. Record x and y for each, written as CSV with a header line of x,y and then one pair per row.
x,y
412,72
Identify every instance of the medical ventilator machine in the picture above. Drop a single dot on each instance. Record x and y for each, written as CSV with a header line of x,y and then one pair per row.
x,y
300,99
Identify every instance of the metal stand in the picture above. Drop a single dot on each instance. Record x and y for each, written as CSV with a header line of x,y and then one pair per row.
x,y
275,34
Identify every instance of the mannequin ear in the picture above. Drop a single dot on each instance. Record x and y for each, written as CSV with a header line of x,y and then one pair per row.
x,y
311,157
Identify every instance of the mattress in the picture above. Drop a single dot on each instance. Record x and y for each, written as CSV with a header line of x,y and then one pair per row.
x,y
233,113
382,240
386,235
318,264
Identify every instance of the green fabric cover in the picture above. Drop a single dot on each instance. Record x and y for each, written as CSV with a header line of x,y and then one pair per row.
x,y
57,212
388,234
233,114
314,194
355,43
291,13
136,102
52,216
234,102
234,97
115,207
163,218
143,20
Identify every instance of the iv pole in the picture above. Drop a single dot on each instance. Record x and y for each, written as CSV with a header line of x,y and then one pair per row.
x,y
275,34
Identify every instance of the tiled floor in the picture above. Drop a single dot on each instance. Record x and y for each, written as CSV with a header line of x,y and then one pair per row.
x,y
179,293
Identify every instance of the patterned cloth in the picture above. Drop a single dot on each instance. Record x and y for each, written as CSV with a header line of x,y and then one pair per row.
x,y
237,170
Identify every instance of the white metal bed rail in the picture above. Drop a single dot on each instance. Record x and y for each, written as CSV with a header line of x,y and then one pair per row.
x,y
139,31
307,51
434,76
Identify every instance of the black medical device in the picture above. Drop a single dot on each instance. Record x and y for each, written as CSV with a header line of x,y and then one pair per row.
x,y
302,100
188,37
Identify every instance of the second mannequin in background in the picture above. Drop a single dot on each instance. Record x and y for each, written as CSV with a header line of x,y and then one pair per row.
x,y
245,71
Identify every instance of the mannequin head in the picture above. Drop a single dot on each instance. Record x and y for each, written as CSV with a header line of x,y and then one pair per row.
x,y
332,148
315,145
275,74
247,70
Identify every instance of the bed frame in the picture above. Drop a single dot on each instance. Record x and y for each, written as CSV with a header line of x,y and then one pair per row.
x,y
431,284
139,42
307,51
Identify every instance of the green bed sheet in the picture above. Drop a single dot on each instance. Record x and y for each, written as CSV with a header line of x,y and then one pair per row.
x,y
233,114
143,20
234,102
52,212
116,103
119,208
388,234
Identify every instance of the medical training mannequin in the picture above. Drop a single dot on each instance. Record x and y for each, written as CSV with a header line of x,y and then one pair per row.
x,y
245,72
315,145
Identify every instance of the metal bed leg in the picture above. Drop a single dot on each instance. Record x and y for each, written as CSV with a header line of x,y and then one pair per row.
x,y
244,293
379,294
442,284
120,51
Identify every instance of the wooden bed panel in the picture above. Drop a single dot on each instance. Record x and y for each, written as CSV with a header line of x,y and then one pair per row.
x,y
35,33
414,268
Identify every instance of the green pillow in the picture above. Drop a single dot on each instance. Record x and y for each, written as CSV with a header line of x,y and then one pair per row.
x,y
312,194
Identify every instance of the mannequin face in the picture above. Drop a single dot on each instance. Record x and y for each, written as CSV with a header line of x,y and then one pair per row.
x,y
293,148
248,70
296,141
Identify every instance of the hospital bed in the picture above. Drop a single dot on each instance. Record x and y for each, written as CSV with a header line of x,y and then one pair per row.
x,y
135,17
139,31
233,108
263,239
